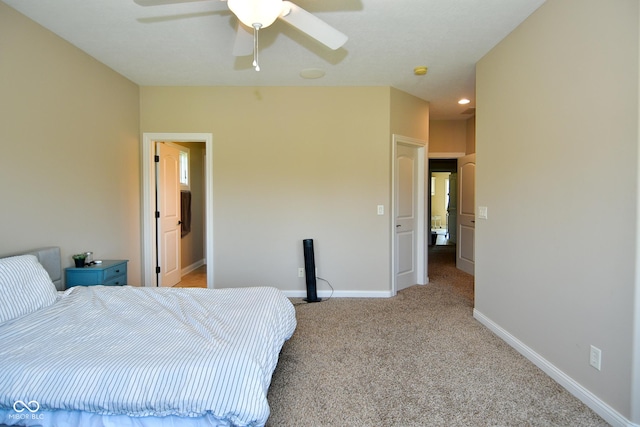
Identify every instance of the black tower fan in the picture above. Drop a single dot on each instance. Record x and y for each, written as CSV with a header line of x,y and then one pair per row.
x,y
310,271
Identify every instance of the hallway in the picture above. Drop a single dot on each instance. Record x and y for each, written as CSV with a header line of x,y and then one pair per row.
x,y
442,269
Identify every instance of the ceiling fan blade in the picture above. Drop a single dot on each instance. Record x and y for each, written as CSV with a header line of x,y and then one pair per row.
x,y
243,44
313,26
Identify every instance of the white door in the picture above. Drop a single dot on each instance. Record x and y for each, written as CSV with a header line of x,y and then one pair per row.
x,y
465,259
406,210
168,206
452,209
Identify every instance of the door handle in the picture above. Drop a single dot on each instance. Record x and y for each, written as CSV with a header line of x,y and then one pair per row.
x,y
398,225
179,222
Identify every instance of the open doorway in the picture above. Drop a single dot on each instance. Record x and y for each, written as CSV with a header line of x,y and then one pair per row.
x,y
149,238
443,201
192,191
441,222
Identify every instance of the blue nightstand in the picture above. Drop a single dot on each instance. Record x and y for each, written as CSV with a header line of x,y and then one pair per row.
x,y
109,273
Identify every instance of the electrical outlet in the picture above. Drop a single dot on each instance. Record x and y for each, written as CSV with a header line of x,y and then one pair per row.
x,y
300,272
595,357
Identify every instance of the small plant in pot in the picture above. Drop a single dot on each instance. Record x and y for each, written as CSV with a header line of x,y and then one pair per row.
x,y
79,259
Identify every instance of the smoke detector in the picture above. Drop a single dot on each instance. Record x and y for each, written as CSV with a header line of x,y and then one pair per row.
x,y
420,70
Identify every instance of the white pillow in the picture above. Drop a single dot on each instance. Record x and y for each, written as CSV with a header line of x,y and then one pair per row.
x,y
25,286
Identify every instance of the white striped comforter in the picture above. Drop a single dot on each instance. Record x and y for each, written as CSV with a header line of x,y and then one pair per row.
x,y
148,352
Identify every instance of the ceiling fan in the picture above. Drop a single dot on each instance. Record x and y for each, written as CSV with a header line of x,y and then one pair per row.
x,y
255,15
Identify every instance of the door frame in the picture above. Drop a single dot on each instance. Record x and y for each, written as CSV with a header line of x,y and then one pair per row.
x,y
148,200
421,235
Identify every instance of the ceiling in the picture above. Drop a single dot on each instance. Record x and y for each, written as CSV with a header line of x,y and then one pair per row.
x,y
189,43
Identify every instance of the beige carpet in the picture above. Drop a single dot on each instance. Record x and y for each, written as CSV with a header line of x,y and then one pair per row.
x,y
417,359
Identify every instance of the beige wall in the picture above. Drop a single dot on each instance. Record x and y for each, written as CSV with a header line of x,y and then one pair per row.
x,y
452,136
69,136
448,136
289,164
557,114
409,116
470,141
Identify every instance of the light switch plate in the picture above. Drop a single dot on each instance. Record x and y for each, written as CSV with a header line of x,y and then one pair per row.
x,y
482,212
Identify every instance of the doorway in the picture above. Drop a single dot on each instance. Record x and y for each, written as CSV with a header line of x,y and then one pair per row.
x,y
149,239
459,245
193,267
443,201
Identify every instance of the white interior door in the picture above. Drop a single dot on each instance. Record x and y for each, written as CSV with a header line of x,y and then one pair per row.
x,y
406,212
452,209
465,259
168,206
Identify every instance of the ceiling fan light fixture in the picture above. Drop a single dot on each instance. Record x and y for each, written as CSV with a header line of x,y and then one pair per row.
x,y
251,12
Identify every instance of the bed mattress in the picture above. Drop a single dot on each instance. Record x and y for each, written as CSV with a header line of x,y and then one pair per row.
x,y
145,353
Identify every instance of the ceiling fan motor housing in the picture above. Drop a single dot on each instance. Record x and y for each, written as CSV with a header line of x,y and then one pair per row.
x,y
252,12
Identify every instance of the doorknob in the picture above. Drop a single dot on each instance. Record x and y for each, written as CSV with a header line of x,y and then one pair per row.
x,y
179,222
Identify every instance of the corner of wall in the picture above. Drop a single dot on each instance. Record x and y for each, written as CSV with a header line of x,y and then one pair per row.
x,y
409,115
471,135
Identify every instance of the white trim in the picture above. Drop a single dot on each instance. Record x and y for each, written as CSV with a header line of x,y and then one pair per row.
x,y
609,414
422,148
340,294
148,200
196,265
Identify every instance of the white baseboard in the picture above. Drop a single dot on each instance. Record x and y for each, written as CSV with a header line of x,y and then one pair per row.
x,y
609,414
341,294
188,269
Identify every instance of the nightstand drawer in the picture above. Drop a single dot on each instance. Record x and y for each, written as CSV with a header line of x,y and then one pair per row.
x,y
116,270
120,280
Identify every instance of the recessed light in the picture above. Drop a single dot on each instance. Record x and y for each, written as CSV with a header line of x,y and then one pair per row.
x,y
420,71
312,73
464,101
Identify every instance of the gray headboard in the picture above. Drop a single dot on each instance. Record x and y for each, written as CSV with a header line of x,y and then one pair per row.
x,y
51,261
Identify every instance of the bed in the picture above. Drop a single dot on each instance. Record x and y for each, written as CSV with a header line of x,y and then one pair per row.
x,y
134,356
